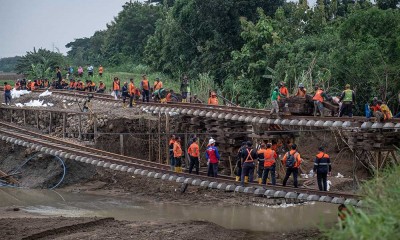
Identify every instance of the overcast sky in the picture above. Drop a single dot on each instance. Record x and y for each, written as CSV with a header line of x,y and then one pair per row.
x,y
25,24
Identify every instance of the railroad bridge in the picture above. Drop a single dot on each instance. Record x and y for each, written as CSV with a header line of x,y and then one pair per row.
x,y
229,126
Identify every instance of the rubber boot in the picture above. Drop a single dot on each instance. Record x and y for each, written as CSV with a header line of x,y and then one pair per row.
x,y
246,179
237,179
173,168
176,169
259,180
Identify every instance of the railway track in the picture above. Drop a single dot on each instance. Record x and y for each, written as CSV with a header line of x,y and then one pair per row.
x,y
50,145
233,110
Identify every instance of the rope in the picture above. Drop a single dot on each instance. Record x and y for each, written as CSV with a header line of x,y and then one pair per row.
x,y
29,159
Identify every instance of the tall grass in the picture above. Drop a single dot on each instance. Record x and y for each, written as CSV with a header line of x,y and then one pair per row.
x,y
380,216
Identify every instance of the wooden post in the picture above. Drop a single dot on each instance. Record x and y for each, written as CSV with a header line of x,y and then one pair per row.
x,y
37,119
94,127
167,137
121,144
148,131
80,126
159,137
50,123
64,122
24,113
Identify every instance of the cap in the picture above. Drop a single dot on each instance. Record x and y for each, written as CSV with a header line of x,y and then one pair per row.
x,y
301,85
157,79
321,148
211,141
249,144
347,85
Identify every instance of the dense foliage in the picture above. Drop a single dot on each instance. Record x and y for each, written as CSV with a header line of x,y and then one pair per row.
x,y
8,64
247,46
40,64
379,217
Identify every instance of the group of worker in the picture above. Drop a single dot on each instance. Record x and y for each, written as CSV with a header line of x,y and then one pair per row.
x,y
248,158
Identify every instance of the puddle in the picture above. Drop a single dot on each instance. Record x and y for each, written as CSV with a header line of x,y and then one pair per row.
x,y
254,218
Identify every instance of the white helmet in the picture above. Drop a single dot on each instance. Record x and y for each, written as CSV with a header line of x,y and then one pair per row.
x,y
211,141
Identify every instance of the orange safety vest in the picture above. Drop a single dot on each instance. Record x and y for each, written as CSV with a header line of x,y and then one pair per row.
x,y
7,88
318,96
71,84
177,149
131,89
269,156
193,150
213,101
158,85
168,98
116,85
145,84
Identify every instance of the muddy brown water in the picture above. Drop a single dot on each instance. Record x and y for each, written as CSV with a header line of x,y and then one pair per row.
x,y
253,218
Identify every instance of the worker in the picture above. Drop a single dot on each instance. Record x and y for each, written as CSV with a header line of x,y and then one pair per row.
x,y
101,69
102,87
46,83
178,153
301,91
71,84
39,83
238,167
185,88
168,98
283,91
157,84
17,85
144,86
160,95
116,87
274,101
7,93
377,111
213,100
131,91
347,99
322,166
387,114
124,94
171,152
260,160
318,100
269,165
212,156
80,86
248,156
343,212
194,153
30,86
292,161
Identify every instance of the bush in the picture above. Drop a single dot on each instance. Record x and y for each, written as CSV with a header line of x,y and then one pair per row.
x,y
380,218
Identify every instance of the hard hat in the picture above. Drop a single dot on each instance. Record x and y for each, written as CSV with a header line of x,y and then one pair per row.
x,y
301,85
347,85
211,141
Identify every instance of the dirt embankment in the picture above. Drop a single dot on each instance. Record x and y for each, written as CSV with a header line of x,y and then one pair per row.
x,y
108,228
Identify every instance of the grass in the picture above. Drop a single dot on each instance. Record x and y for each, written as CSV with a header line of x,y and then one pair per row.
x,y
380,216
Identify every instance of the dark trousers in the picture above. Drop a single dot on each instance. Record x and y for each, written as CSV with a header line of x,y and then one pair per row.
x,y
289,171
346,109
7,98
178,162
194,162
239,168
247,170
146,95
268,170
212,170
131,97
322,181
260,169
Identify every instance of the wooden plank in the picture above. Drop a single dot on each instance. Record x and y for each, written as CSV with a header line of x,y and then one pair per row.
x,y
8,178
